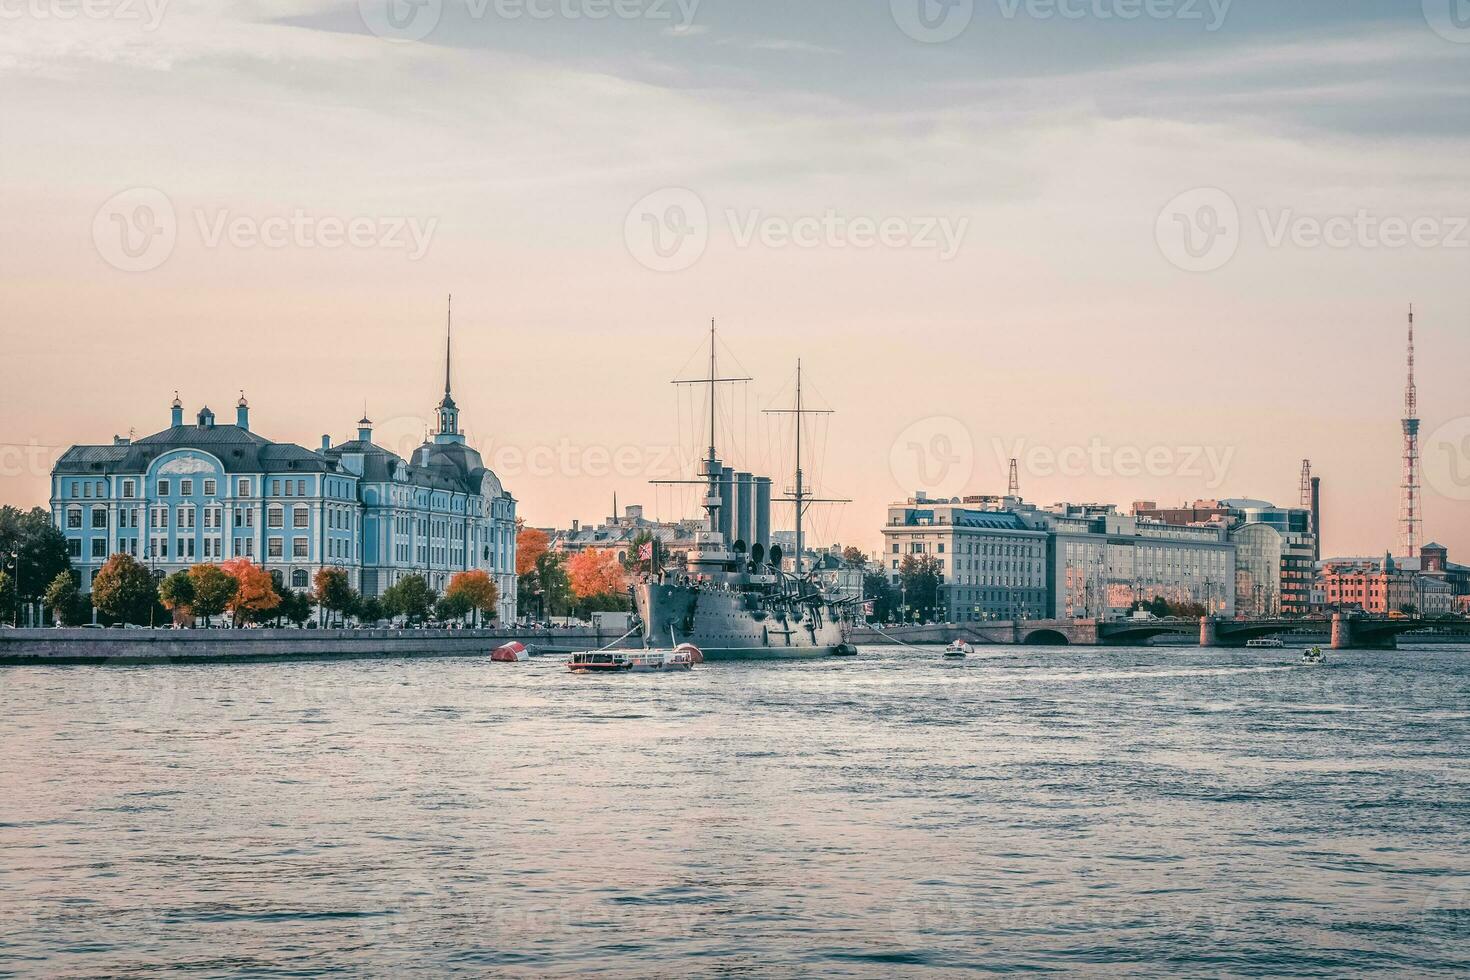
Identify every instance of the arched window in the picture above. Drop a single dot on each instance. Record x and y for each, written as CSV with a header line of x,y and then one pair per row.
x,y
298,578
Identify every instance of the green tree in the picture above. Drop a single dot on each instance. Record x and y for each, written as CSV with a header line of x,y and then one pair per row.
x,y
7,597
451,606
368,609
177,595
854,556
409,597
879,591
920,578
295,607
124,590
65,601
213,590
41,549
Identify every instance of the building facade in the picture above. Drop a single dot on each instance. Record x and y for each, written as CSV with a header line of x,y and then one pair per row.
x,y
208,492
1383,587
1001,558
992,565
1101,562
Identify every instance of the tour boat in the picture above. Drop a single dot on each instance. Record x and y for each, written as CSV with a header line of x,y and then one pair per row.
x,y
1266,643
511,653
683,657
958,650
1313,656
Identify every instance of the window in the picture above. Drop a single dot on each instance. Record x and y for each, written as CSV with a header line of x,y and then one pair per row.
x,y
186,488
99,517
73,491
300,517
298,547
74,518
74,547
244,487
87,490
273,548
300,488
128,489
275,517
163,488
99,547
209,488
298,579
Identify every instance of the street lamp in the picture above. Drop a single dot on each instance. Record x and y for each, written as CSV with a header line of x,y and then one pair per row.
x,y
15,567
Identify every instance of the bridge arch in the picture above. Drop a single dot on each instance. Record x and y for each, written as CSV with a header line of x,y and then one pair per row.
x,y
1047,638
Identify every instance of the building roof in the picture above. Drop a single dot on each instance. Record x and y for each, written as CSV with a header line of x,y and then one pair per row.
x,y
238,450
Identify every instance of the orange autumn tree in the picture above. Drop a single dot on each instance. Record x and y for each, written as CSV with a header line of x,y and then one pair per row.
x,y
531,544
597,579
476,591
255,591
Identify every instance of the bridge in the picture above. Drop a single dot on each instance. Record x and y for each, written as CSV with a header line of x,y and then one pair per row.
x,y
1346,631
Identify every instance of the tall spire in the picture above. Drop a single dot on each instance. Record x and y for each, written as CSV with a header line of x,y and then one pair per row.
x,y
1410,518
447,412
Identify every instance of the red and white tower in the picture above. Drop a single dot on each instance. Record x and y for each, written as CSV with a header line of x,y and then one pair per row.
x,y
1411,520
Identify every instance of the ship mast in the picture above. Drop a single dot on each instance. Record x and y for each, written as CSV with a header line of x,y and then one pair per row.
x,y
798,494
711,543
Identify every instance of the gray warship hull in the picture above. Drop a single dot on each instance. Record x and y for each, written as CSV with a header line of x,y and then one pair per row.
x,y
729,624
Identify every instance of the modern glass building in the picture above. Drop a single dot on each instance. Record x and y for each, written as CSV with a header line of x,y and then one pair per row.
x,y
210,492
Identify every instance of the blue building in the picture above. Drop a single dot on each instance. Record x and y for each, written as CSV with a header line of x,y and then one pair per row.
x,y
209,492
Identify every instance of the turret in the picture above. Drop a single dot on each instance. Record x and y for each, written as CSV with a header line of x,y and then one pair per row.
x,y
206,418
176,412
364,429
242,413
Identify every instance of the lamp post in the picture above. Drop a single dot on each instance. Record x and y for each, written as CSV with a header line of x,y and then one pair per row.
x,y
15,567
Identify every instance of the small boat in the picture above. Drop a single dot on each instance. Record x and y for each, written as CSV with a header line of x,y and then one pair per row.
x,y
958,650
683,657
1266,643
511,653
1313,656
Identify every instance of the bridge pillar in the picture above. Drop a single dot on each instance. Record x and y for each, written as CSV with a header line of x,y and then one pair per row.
x,y
1342,632
1209,632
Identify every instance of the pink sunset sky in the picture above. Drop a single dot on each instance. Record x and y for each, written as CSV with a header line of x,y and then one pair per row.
x,y
972,244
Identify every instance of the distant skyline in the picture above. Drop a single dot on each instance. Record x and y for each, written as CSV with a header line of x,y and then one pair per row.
x,y
1161,258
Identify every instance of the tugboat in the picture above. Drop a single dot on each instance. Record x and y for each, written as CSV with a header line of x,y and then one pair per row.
x,y
735,601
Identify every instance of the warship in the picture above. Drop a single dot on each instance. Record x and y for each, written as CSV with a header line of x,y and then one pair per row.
x,y
731,597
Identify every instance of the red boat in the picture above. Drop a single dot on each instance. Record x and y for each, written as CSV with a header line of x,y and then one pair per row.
x,y
511,653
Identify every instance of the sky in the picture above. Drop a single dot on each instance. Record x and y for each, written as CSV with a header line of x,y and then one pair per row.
x,y
1152,249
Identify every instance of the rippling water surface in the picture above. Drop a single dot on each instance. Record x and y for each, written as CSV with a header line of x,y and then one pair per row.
x,y
1162,810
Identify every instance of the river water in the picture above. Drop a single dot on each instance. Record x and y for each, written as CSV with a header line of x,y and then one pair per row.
x,y
1158,811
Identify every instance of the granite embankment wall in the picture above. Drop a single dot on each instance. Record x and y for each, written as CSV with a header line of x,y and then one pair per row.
x,y
102,646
